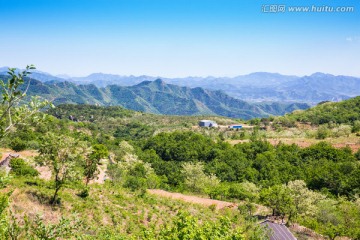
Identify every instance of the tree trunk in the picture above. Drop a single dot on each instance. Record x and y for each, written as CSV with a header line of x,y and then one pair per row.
x,y
53,201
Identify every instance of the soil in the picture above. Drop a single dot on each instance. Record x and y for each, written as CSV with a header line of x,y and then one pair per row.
x,y
193,199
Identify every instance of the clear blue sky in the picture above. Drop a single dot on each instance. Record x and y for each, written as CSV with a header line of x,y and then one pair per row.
x,y
179,37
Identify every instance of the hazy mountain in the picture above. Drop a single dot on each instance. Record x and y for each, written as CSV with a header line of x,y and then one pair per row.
x,y
103,80
254,87
35,74
158,97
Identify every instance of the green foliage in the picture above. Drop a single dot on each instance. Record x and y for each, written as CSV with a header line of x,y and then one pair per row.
x,y
11,112
4,178
196,180
305,200
4,202
346,111
278,198
336,218
284,177
62,155
322,132
321,166
84,193
36,229
247,209
91,113
244,191
135,183
91,159
186,227
179,146
17,144
133,130
20,168
357,155
356,126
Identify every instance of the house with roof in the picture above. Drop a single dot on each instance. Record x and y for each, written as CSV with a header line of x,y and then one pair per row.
x,y
207,123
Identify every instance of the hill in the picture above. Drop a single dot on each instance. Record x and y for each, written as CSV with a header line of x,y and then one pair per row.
x,y
159,98
346,111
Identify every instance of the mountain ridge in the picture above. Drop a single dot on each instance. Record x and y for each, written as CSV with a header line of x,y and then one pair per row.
x,y
253,87
157,97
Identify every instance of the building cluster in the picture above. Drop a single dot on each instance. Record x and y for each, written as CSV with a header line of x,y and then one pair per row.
x,y
211,124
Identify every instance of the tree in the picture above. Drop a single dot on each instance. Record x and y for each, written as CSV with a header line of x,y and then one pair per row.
x,y
91,159
11,112
332,224
305,200
62,155
195,178
278,198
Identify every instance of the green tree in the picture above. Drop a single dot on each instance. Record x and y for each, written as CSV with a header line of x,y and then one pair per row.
x,y
91,160
11,112
305,200
62,155
195,178
278,198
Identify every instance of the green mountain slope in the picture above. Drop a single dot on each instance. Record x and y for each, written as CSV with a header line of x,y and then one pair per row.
x,y
158,97
346,111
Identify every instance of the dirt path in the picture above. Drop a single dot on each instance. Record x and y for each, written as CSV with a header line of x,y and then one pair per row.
x,y
23,154
193,199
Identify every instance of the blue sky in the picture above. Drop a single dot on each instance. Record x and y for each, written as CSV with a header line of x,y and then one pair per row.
x,y
177,38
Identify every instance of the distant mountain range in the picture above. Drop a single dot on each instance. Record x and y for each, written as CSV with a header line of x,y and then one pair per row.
x,y
157,97
255,87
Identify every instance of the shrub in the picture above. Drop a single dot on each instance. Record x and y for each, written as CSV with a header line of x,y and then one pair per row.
x,y
135,183
356,126
20,168
357,155
322,132
17,144
84,193
242,191
4,178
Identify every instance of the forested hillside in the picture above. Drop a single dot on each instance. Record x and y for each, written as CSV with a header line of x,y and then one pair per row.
x,y
100,161
159,98
337,112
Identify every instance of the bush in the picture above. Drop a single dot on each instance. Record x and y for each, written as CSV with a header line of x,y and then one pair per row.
x,y
84,193
356,126
322,132
33,144
357,155
242,191
20,168
135,183
4,178
17,145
